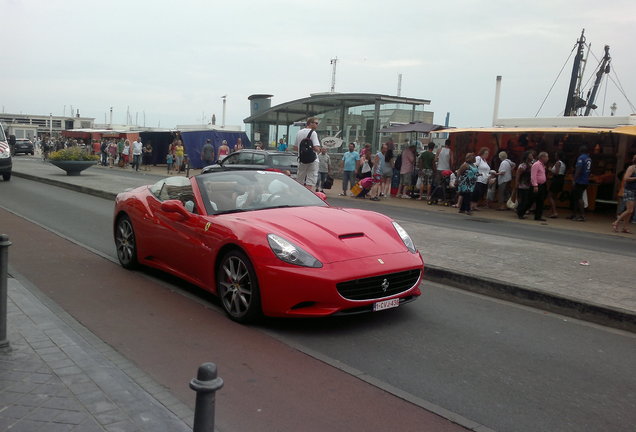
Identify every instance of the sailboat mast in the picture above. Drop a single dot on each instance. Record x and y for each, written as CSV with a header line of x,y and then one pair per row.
x,y
603,69
570,104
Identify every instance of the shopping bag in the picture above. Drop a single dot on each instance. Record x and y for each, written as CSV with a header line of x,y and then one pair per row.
x,y
356,189
328,182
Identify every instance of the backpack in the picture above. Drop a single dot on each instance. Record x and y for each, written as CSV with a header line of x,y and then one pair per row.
x,y
306,153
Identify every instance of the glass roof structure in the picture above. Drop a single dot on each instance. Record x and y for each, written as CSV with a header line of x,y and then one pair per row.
x,y
320,103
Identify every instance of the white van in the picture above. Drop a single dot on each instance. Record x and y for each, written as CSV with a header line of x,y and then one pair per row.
x,y
5,156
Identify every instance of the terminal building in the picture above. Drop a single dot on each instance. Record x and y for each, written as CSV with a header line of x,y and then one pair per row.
x,y
30,126
344,117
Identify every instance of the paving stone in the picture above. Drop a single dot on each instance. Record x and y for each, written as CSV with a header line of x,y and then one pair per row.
x,y
70,370
53,389
110,417
10,397
63,403
23,386
6,422
75,379
96,402
61,363
40,378
34,400
89,425
123,426
83,387
48,350
71,417
43,344
16,411
54,357
44,414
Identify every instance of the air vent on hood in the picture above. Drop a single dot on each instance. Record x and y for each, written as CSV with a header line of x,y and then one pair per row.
x,y
352,235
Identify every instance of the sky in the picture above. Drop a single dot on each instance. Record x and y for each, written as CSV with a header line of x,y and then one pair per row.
x,y
169,63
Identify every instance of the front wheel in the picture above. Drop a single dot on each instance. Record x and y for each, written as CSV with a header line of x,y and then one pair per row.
x,y
125,243
237,287
6,176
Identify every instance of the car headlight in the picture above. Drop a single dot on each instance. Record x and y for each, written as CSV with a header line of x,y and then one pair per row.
x,y
290,253
405,237
5,152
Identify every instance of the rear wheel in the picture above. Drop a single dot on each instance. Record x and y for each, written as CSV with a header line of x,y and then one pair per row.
x,y
6,176
125,243
237,287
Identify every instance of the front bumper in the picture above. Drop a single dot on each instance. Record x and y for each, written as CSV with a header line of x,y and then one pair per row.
x,y
288,290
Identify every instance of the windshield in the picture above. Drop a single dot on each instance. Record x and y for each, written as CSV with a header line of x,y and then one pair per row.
x,y
232,191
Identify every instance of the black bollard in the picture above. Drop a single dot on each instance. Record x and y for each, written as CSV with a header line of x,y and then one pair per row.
x,y
4,274
205,384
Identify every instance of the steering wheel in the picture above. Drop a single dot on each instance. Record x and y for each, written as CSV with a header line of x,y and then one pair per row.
x,y
273,197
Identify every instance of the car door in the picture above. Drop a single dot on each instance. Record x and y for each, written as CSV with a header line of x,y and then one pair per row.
x,y
179,245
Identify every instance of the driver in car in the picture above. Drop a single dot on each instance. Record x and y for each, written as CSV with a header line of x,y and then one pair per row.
x,y
253,197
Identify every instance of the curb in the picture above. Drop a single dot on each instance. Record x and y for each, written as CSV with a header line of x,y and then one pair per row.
x,y
58,183
587,311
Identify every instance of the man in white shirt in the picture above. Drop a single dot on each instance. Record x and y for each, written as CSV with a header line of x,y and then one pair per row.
x,y
137,148
308,172
504,180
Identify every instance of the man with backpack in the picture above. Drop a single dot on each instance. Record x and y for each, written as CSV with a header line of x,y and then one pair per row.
x,y
308,146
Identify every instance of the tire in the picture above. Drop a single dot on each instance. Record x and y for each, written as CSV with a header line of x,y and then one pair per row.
x,y
125,243
237,288
6,176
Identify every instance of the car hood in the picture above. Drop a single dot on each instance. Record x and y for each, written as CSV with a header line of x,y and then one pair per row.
x,y
332,234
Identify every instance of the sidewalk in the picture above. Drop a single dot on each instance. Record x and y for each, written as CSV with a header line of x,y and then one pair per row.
x,y
58,376
541,275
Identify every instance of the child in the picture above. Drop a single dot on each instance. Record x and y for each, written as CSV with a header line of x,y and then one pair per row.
x,y
169,160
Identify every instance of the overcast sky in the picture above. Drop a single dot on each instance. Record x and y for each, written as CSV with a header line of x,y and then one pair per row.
x,y
173,60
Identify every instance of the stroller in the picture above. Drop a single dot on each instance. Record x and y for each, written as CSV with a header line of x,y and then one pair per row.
x,y
443,193
362,188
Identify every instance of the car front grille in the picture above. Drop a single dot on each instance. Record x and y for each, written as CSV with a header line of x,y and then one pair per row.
x,y
379,286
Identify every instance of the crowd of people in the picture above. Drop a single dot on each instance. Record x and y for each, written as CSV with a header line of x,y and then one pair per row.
x,y
477,181
475,184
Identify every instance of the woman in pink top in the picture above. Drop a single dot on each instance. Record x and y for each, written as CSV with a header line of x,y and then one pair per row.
x,y
224,150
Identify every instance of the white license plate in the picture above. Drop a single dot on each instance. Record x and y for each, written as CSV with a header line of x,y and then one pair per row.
x,y
386,304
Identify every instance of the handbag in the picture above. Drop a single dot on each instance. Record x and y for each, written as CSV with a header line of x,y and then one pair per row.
x,y
511,204
328,182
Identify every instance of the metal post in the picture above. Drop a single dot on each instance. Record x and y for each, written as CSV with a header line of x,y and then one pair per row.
x,y
205,384
4,262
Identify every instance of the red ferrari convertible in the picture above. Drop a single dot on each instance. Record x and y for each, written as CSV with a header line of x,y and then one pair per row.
x,y
266,245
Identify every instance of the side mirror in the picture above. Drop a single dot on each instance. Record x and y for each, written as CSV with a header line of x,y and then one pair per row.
x,y
175,206
321,195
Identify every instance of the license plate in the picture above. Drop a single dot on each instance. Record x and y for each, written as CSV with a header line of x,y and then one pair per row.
x,y
386,304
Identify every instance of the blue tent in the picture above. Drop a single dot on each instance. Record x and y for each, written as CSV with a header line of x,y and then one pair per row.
x,y
194,141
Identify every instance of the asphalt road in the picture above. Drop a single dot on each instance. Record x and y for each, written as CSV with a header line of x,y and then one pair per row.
x,y
501,365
